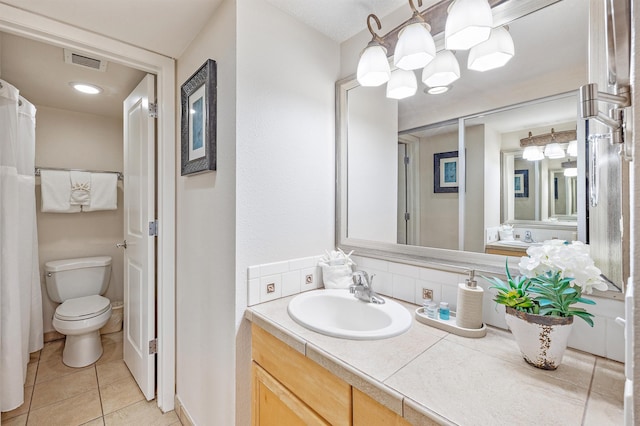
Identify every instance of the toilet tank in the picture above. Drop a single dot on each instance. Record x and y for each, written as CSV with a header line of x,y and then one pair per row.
x,y
71,278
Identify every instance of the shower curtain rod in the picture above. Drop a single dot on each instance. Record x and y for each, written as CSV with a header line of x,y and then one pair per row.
x,y
37,171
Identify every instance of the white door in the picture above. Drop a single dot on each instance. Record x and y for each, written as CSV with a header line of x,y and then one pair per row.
x,y
139,258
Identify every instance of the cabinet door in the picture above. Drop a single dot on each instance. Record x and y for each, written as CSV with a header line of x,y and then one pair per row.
x,y
273,404
368,412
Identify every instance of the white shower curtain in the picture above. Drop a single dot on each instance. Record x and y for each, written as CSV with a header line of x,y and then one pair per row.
x,y
20,294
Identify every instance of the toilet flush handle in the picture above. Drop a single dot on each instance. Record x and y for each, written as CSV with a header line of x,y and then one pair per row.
x,y
122,244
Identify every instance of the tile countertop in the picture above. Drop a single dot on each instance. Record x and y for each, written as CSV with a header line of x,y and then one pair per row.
x,y
433,377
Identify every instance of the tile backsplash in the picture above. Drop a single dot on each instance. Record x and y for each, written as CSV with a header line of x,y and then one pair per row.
x,y
405,282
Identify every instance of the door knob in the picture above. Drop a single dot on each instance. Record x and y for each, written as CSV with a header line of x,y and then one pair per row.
x,y
122,244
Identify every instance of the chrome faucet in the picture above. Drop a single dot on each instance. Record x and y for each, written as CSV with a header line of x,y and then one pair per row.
x,y
361,288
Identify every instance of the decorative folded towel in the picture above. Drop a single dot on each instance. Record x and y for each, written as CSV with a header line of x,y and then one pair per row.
x,y
104,192
56,192
80,188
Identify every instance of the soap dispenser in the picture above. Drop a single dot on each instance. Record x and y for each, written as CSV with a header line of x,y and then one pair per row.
x,y
469,306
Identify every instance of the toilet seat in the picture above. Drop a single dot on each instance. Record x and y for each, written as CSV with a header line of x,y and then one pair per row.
x,y
82,308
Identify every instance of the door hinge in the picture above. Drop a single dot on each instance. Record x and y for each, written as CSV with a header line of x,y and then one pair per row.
x,y
153,347
153,109
406,161
153,228
407,216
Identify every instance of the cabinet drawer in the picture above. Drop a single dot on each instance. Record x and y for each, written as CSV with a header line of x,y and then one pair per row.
x,y
325,393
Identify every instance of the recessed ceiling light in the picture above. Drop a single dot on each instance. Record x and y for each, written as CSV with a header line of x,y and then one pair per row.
x,y
86,88
437,90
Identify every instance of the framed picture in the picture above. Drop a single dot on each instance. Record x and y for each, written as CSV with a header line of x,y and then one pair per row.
x,y
445,172
521,183
198,125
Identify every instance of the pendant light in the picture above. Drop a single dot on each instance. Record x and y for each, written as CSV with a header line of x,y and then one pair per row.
x,y
468,24
415,47
532,153
402,84
493,53
373,66
442,71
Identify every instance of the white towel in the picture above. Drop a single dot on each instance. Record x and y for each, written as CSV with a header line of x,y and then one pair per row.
x,y
80,188
104,192
56,191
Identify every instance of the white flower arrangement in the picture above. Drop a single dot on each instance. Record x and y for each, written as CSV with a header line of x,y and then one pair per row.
x,y
571,260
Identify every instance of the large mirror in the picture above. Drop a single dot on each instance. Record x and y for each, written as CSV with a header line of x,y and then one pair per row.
x,y
429,176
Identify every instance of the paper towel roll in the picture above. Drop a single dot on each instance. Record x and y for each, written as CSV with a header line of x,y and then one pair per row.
x,y
469,307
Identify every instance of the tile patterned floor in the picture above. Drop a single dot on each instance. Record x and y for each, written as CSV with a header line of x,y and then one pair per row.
x,y
103,393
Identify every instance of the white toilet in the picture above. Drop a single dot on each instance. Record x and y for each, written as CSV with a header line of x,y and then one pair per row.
x,y
78,285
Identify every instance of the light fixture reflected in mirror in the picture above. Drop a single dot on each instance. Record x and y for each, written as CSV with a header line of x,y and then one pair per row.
x,y
468,24
442,71
553,151
492,53
572,149
402,84
570,168
533,153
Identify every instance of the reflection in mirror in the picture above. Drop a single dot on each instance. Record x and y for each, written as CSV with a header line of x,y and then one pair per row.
x,y
426,176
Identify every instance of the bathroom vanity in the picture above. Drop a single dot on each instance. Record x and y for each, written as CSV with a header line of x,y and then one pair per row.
x,y
423,377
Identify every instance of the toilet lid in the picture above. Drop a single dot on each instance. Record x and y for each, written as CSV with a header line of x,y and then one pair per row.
x,y
82,308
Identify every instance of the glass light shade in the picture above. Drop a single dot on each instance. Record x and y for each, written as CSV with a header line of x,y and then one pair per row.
x,y
442,71
493,53
572,149
415,47
402,84
468,24
571,172
373,66
554,150
532,153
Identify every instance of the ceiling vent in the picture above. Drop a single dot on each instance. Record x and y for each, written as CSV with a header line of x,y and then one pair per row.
x,y
84,61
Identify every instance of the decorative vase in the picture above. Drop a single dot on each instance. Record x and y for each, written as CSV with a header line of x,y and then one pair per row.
x,y
542,339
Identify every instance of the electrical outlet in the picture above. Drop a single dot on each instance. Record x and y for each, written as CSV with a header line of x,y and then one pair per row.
x,y
427,293
271,288
308,279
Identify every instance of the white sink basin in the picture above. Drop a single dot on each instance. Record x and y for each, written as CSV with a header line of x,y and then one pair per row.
x,y
338,313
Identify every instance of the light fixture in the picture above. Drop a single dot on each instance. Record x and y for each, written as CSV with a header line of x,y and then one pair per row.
x,y
438,90
415,47
402,84
89,89
373,66
572,149
554,151
468,24
492,53
532,153
570,168
442,71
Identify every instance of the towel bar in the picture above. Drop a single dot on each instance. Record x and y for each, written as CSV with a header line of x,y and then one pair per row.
x,y
37,171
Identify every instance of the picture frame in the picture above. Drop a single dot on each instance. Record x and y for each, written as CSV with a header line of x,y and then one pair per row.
x,y
445,172
198,124
521,183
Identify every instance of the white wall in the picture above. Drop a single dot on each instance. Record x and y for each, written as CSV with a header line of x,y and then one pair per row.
x,y
272,196
205,242
372,162
68,139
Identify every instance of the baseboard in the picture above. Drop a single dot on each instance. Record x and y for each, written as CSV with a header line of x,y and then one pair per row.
x,y
50,336
183,415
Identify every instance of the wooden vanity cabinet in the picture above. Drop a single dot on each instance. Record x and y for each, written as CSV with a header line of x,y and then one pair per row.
x,y
290,389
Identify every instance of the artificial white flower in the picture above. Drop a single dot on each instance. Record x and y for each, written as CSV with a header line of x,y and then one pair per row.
x,y
572,260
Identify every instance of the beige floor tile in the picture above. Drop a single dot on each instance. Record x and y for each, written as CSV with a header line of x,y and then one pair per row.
x,y
51,391
110,372
34,356
141,413
111,351
53,368
15,421
32,368
120,394
23,409
112,337
604,410
71,411
52,350
608,378
96,422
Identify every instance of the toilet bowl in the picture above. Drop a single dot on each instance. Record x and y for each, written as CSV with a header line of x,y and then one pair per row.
x,y
77,284
81,319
